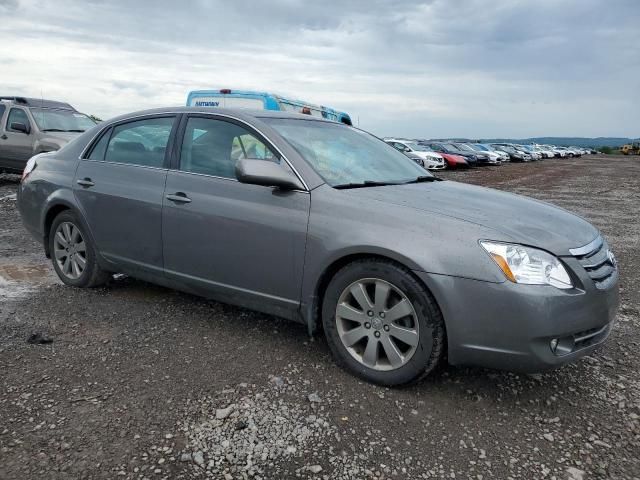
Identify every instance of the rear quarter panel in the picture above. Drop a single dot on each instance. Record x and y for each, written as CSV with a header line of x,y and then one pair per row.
x,y
50,184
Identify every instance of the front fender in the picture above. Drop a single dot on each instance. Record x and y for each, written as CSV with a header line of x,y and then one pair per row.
x,y
46,145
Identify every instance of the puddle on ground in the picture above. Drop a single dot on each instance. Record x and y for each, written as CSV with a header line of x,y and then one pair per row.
x,y
17,280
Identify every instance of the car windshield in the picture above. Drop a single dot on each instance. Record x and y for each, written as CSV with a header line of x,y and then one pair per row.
x,y
51,120
344,155
418,148
450,147
464,146
479,148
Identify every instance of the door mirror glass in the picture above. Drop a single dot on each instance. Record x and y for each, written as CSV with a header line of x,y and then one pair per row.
x,y
18,121
19,127
268,174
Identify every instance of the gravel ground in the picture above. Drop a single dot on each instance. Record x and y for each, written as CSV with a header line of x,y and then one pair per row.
x,y
144,382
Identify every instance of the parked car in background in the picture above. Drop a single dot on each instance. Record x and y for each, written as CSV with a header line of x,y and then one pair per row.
x,y
444,147
241,207
579,151
544,151
557,152
482,147
483,158
494,157
432,160
531,151
566,151
29,126
455,161
514,154
416,158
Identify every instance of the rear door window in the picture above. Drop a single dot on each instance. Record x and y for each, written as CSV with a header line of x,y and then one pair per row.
x,y
142,142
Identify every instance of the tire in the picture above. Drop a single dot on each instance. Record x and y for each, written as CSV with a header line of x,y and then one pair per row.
x,y
423,326
79,251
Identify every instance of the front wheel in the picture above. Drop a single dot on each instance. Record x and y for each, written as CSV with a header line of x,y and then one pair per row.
x,y
73,254
381,324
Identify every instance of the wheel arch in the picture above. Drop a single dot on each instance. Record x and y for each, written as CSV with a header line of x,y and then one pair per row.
x,y
313,319
54,208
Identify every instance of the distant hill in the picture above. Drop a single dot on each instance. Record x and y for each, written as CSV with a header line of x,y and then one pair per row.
x,y
566,141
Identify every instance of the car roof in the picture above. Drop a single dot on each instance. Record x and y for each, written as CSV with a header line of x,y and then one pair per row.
x,y
240,113
37,102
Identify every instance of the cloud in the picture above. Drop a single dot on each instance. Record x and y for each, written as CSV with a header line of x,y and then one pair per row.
x,y
429,69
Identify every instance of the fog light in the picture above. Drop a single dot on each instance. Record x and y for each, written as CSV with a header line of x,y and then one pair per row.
x,y
553,344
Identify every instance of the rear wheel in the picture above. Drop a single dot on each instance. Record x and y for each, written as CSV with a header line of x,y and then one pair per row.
x,y
72,253
381,324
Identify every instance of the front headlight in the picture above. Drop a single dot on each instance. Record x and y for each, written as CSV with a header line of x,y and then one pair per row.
x,y
528,265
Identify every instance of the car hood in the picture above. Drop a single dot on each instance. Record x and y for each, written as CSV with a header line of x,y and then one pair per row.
x,y
428,155
515,218
60,137
454,157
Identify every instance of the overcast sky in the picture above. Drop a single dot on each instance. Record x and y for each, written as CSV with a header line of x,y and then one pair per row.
x,y
440,68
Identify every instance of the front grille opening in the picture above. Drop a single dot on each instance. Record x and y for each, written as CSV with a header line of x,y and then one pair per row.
x,y
598,265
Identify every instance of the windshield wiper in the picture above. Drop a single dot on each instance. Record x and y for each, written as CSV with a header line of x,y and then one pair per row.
x,y
424,178
60,130
366,183
373,183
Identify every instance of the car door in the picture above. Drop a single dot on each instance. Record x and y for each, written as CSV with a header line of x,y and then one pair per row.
x,y
119,187
16,146
240,243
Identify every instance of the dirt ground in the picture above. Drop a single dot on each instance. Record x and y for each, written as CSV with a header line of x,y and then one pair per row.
x,y
144,382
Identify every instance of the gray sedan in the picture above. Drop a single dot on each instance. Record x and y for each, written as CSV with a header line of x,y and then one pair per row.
x,y
326,225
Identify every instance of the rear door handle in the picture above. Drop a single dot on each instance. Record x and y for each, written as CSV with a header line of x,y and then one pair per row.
x,y
179,197
85,182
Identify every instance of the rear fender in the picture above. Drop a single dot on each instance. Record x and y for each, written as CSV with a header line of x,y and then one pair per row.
x,y
64,199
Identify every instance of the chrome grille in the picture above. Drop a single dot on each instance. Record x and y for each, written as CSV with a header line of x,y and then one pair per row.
x,y
598,261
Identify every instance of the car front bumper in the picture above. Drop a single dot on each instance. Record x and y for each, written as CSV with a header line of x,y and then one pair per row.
x,y
510,326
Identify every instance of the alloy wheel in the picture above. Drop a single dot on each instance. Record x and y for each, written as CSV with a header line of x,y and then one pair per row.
x,y
377,324
70,250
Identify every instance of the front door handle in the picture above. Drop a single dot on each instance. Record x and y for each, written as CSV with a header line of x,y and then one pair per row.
x,y
85,182
179,197
4,137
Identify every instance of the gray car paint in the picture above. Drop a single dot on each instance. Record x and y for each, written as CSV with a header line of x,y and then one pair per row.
x,y
427,227
237,240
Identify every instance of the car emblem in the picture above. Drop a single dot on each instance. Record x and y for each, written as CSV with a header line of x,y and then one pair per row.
x,y
612,258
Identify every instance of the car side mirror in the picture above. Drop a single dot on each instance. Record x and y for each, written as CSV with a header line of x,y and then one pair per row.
x,y
267,174
20,127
